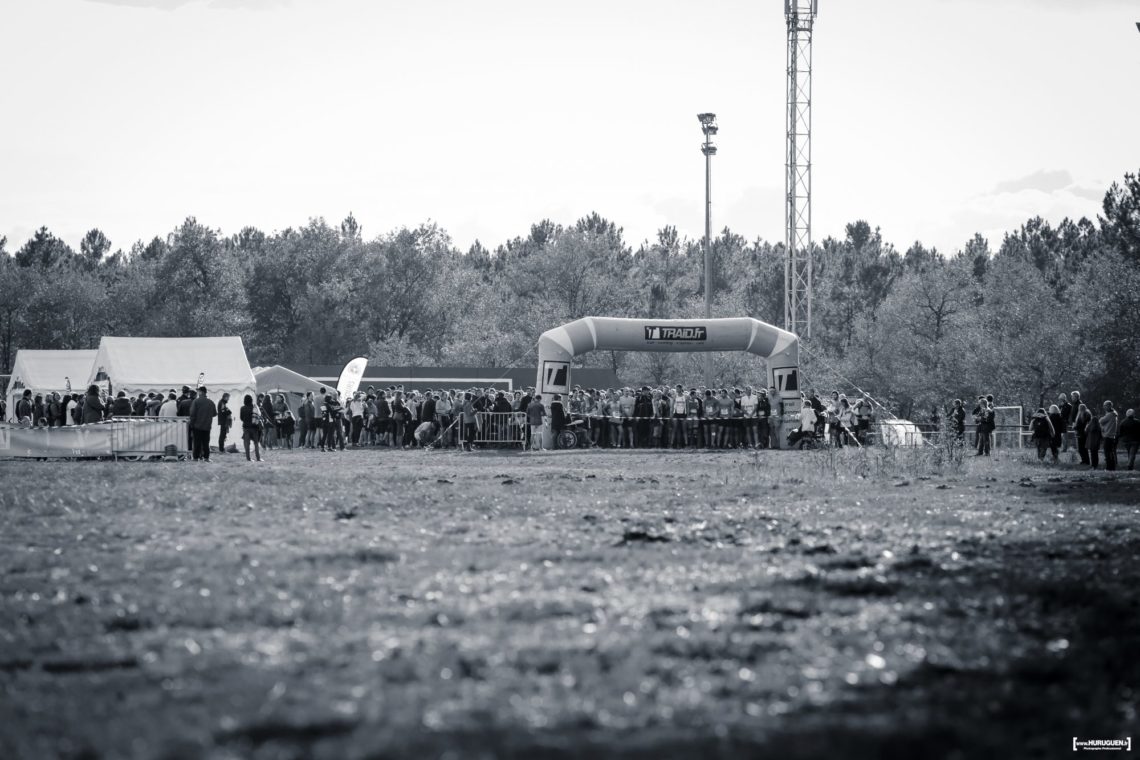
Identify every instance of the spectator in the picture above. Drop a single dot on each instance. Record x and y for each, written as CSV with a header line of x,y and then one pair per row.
x,y
122,406
138,408
1042,433
225,421
469,422
169,407
39,412
356,415
93,406
1094,439
985,428
958,421
1075,403
1066,411
1129,436
1058,421
153,404
250,426
307,412
202,414
1109,427
558,417
334,425
535,413
1080,429
626,405
23,409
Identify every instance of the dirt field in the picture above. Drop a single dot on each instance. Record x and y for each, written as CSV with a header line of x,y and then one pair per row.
x,y
419,604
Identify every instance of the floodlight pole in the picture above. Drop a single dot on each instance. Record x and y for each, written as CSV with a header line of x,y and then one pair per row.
x,y
709,127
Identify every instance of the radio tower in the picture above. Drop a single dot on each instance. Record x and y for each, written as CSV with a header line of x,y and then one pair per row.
x,y
800,15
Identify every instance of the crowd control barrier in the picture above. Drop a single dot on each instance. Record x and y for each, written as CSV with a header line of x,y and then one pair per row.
x,y
121,437
149,437
500,429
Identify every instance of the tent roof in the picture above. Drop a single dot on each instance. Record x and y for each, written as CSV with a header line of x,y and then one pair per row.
x,y
142,364
47,370
278,378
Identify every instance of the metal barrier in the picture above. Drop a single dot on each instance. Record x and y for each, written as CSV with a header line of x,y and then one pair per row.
x,y
497,429
147,437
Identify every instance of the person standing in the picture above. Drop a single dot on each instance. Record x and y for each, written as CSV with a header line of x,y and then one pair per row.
x,y
202,414
169,408
305,412
1130,436
1058,421
225,420
470,420
985,428
1094,438
764,420
93,406
356,414
535,412
1080,428
250,427
334,422
1109,427
1042,434
1066,411
958,421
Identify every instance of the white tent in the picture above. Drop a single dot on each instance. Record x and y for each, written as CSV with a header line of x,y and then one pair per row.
x,y
47,371
141,365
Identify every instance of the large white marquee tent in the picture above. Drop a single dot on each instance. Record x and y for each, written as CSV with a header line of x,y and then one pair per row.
x,y
47,371
142,365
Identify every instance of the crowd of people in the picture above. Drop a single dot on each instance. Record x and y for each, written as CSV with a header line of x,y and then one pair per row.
x,y
662,417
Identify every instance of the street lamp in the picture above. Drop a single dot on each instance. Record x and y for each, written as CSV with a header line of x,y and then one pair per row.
x,y
708,126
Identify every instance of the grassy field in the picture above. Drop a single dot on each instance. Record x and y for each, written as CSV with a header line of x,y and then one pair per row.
x,y
869,604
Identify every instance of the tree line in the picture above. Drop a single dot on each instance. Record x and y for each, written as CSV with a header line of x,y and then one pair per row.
x,y
1052,309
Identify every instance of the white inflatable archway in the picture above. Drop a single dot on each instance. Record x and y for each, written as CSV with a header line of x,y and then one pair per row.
x,y
781,349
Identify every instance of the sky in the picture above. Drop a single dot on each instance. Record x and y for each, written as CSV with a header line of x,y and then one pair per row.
x,y
933,119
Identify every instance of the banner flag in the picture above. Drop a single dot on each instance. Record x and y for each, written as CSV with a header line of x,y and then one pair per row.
x,y
350,377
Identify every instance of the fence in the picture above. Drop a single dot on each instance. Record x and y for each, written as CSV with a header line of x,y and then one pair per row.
x,y
144,437
127,437
499,429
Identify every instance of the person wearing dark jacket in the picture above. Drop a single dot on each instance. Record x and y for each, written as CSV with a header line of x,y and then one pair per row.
x,y
1129,436
23,410
1059,422
1093,440
557,417
1043,435
334,427
225,421
985,428
1068,411
202,414
250,427
93,406
122,406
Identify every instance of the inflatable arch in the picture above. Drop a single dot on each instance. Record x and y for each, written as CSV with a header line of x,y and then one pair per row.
x,y
557,347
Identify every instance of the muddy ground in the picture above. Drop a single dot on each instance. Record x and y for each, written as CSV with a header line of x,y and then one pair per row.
x,y
868,604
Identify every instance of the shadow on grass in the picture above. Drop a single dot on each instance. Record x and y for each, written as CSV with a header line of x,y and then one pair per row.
x,y
1072,670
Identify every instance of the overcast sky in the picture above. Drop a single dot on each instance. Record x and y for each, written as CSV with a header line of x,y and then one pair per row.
x,y
933,118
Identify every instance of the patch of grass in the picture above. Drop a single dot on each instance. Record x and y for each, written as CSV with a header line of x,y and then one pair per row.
x,y
863,602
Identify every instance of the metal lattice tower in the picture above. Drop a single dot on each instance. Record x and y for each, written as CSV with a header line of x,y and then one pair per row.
x,y
800,15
